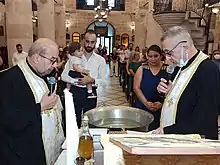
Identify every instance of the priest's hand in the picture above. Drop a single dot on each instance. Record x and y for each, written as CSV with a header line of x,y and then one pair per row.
x,y
158,131
164,86
48,102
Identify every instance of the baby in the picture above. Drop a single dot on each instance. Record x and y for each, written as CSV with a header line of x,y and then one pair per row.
x,y
79,70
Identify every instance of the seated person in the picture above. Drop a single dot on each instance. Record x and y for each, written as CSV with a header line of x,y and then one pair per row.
x,y
78,65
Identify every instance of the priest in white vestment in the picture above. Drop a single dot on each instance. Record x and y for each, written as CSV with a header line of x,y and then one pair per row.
x,y
192,96
30,118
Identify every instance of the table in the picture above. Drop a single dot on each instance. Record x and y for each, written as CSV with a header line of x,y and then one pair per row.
x,y
120,154
114,155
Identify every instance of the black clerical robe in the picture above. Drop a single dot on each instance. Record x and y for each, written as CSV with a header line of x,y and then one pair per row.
x,y
20,122
198,106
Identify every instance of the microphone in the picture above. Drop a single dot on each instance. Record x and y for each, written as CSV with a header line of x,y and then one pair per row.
x,y
52,83
169,70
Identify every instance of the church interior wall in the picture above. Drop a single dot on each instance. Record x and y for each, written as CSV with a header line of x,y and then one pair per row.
x,y
3,40
121,20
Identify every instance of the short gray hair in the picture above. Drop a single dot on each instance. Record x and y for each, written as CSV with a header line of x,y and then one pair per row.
x,y
177,31
37,49
41,47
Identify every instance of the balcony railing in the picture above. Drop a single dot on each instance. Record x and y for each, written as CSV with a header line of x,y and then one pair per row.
x,y
162,5
196,6
178,5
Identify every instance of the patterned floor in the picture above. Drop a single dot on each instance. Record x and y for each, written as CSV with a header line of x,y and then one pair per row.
x,y
111,94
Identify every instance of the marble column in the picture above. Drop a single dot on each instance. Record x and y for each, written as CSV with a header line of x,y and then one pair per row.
x,y
3,39
46,21
217,32
141,28
60,25
19,25
154,30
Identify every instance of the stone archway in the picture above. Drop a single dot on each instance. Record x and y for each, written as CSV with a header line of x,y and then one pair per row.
x,y
105,32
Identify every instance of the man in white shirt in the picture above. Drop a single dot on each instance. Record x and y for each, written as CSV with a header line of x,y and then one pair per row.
x,y
97,67
19,55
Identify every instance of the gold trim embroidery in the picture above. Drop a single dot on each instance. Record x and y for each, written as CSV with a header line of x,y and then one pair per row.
x,y
201,57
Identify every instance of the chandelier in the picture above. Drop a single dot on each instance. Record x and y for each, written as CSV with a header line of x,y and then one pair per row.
x,y
34,17
215,8
101,12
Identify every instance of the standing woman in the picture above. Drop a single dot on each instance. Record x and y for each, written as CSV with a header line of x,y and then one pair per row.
x,y
134,64
114,63
137,49
145,84
133,67
143,55
216,58
104,54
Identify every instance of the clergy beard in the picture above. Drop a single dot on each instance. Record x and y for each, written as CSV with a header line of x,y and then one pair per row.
x,y
89,49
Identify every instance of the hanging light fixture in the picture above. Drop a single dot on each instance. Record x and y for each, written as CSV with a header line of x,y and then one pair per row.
x,y
34,17
105,16
215,10
101,11
96,16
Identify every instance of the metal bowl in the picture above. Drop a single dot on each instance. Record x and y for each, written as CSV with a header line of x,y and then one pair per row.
x,y
114,117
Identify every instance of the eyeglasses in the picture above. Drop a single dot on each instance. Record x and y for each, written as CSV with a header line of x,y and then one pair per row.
x,y
169,52
216,52
52,60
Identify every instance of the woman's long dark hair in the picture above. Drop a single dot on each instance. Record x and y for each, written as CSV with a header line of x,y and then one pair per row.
x,y
157,49
137,49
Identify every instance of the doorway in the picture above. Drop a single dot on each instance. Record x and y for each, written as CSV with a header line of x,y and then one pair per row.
x,y
105,41
106,34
